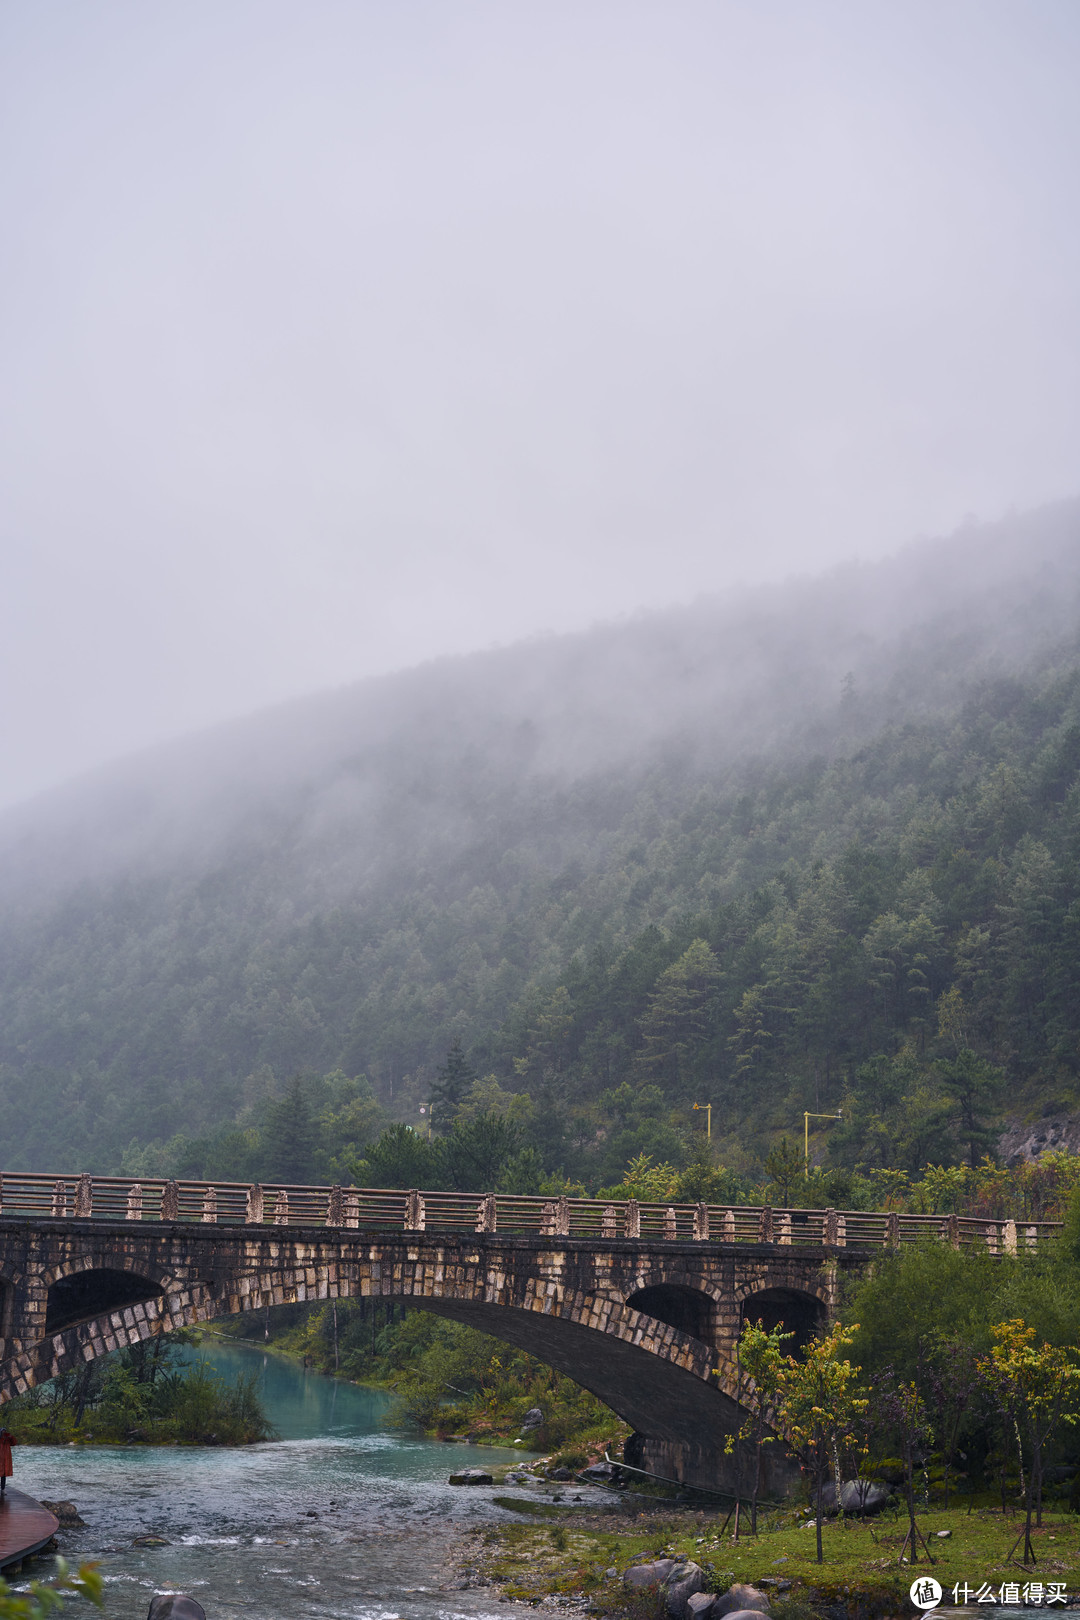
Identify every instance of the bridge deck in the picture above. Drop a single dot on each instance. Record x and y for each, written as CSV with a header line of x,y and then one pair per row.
x,y
38,1196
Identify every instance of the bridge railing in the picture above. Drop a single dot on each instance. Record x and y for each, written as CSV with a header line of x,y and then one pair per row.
x,y
122,1198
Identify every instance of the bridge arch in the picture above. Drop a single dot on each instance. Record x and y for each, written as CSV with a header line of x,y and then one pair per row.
x,y
105,1259
691,1310
801,1311
84,1293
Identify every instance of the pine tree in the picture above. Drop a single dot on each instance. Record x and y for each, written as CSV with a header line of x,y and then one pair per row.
x,y
451,1085
290,1137
783,1166
677,1020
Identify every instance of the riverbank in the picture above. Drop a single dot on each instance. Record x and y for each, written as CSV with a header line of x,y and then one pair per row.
x,y
575,1554
142,1399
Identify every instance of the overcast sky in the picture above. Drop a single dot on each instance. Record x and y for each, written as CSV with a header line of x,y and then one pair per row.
x,y
337,334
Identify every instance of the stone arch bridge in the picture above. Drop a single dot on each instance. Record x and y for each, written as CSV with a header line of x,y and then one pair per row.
x,y
642,1304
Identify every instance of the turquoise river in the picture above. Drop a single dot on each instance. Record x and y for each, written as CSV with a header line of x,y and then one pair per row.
x,y
340,1519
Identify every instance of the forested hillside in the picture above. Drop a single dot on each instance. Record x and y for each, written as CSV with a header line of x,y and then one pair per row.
x,y
811,847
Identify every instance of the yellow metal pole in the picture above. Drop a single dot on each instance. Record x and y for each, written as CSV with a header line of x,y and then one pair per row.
x,y
697,1107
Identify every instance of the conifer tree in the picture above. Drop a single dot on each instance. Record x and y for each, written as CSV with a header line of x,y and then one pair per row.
x,y
449,1089
289,1134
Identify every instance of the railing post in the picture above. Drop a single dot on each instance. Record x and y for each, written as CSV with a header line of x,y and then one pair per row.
x,y
828,1234
632,1219
1,1195
335,1213
609,1222
765,1225
992,1237
59,1199
841,1231
209,1207
701,1223
134,1205
352,1210
84,1198
1032,1237
562,1217
547,1221
671,1224
892,1230
281,1208
253,1214
170,1202
784,1224
486,1214
415,1214
1010,1237
729,1226
952,1231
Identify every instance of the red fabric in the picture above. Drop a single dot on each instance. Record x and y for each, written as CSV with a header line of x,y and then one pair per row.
x,y
6,1442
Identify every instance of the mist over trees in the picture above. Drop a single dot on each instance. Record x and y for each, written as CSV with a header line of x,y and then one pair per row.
x,y
813,847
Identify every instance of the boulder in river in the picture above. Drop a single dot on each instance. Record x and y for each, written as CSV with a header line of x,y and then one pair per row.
x,y
65,1513
470,1476
174,1606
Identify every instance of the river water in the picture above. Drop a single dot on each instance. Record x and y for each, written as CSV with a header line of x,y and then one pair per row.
x,y
238,1520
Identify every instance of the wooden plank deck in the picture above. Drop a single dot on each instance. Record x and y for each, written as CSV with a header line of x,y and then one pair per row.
x,y
25,1526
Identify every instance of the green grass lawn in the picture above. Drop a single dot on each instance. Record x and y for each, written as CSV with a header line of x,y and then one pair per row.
x,y
532,1559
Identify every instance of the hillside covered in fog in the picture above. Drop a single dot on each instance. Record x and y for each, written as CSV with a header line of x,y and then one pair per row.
x,y
791,848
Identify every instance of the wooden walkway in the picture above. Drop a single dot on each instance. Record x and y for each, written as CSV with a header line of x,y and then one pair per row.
x,y
25,1527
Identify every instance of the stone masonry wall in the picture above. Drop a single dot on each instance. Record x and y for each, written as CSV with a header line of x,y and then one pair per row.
x,y
562,1299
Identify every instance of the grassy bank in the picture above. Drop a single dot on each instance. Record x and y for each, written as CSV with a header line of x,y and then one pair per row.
x,y
571,1552
141,1396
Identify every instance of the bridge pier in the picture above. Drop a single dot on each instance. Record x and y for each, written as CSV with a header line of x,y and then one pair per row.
x,y
709,1468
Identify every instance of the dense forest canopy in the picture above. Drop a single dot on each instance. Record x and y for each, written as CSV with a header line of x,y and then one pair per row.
x,y
812,847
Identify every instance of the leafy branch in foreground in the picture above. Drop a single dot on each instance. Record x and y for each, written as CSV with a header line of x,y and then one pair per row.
x,y
46,1598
